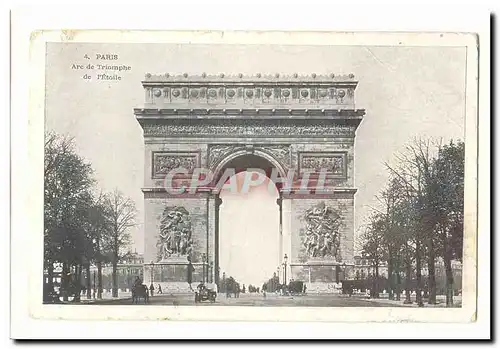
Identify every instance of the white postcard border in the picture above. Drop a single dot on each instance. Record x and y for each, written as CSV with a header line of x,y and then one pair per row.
x,y
31,187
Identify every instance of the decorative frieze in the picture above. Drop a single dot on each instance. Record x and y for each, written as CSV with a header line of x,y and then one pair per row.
x,y
246,127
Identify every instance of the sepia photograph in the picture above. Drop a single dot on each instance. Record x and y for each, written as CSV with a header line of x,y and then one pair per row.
x,y
254,175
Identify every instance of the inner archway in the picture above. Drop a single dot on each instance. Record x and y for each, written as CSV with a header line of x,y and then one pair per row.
x,y
249,228
248,239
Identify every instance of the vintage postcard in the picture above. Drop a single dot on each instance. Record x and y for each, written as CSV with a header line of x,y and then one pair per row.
x,y
258,177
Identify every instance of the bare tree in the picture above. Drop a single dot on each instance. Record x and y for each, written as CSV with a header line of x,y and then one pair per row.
x,y
373,248
432,181
121,215
393,236
414,172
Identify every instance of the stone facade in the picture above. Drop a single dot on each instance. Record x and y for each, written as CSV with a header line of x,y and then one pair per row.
x,y
287,122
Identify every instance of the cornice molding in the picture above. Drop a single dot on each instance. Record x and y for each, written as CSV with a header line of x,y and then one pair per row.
x,y
298,112
257,78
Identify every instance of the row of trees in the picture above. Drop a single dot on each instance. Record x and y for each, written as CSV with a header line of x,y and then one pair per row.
x,y
82,225
420,220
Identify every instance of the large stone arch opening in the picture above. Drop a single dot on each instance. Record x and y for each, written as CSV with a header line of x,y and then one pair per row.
x,y
304,124
241,162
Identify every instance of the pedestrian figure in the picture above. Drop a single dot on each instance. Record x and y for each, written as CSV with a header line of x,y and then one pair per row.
x,y
190,270
151,290
159,289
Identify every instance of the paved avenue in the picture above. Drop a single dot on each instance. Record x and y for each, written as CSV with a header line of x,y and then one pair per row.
x,y
245,299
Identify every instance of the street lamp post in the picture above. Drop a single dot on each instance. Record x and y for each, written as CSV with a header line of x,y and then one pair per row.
x,y
223,286
211,272
343,271
284,266
203,259
152,272
94,288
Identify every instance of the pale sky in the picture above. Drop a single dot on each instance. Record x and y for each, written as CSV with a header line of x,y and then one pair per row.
x,y
407,92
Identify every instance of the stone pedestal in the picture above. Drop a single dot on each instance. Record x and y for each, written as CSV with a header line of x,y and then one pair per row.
x,y
316,271
322,276
171,275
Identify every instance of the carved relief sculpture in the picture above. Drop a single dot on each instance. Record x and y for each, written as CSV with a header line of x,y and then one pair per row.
x,y
322,236
174,238
280,152
333,163
216,153
247,128
164,163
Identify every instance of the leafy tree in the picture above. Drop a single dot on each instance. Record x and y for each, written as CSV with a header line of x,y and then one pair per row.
x,y
449,207
67,181
80,227
100,227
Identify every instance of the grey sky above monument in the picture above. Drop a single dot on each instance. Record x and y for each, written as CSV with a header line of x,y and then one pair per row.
x,y
407,93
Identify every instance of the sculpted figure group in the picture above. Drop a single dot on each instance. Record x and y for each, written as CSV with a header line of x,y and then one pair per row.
x,y
322,232
175,233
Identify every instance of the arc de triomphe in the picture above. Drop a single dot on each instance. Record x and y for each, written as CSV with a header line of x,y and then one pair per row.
x,y
293,122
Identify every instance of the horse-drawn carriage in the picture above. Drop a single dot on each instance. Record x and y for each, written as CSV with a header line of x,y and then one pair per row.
x,y
140,292
294,288
204,293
